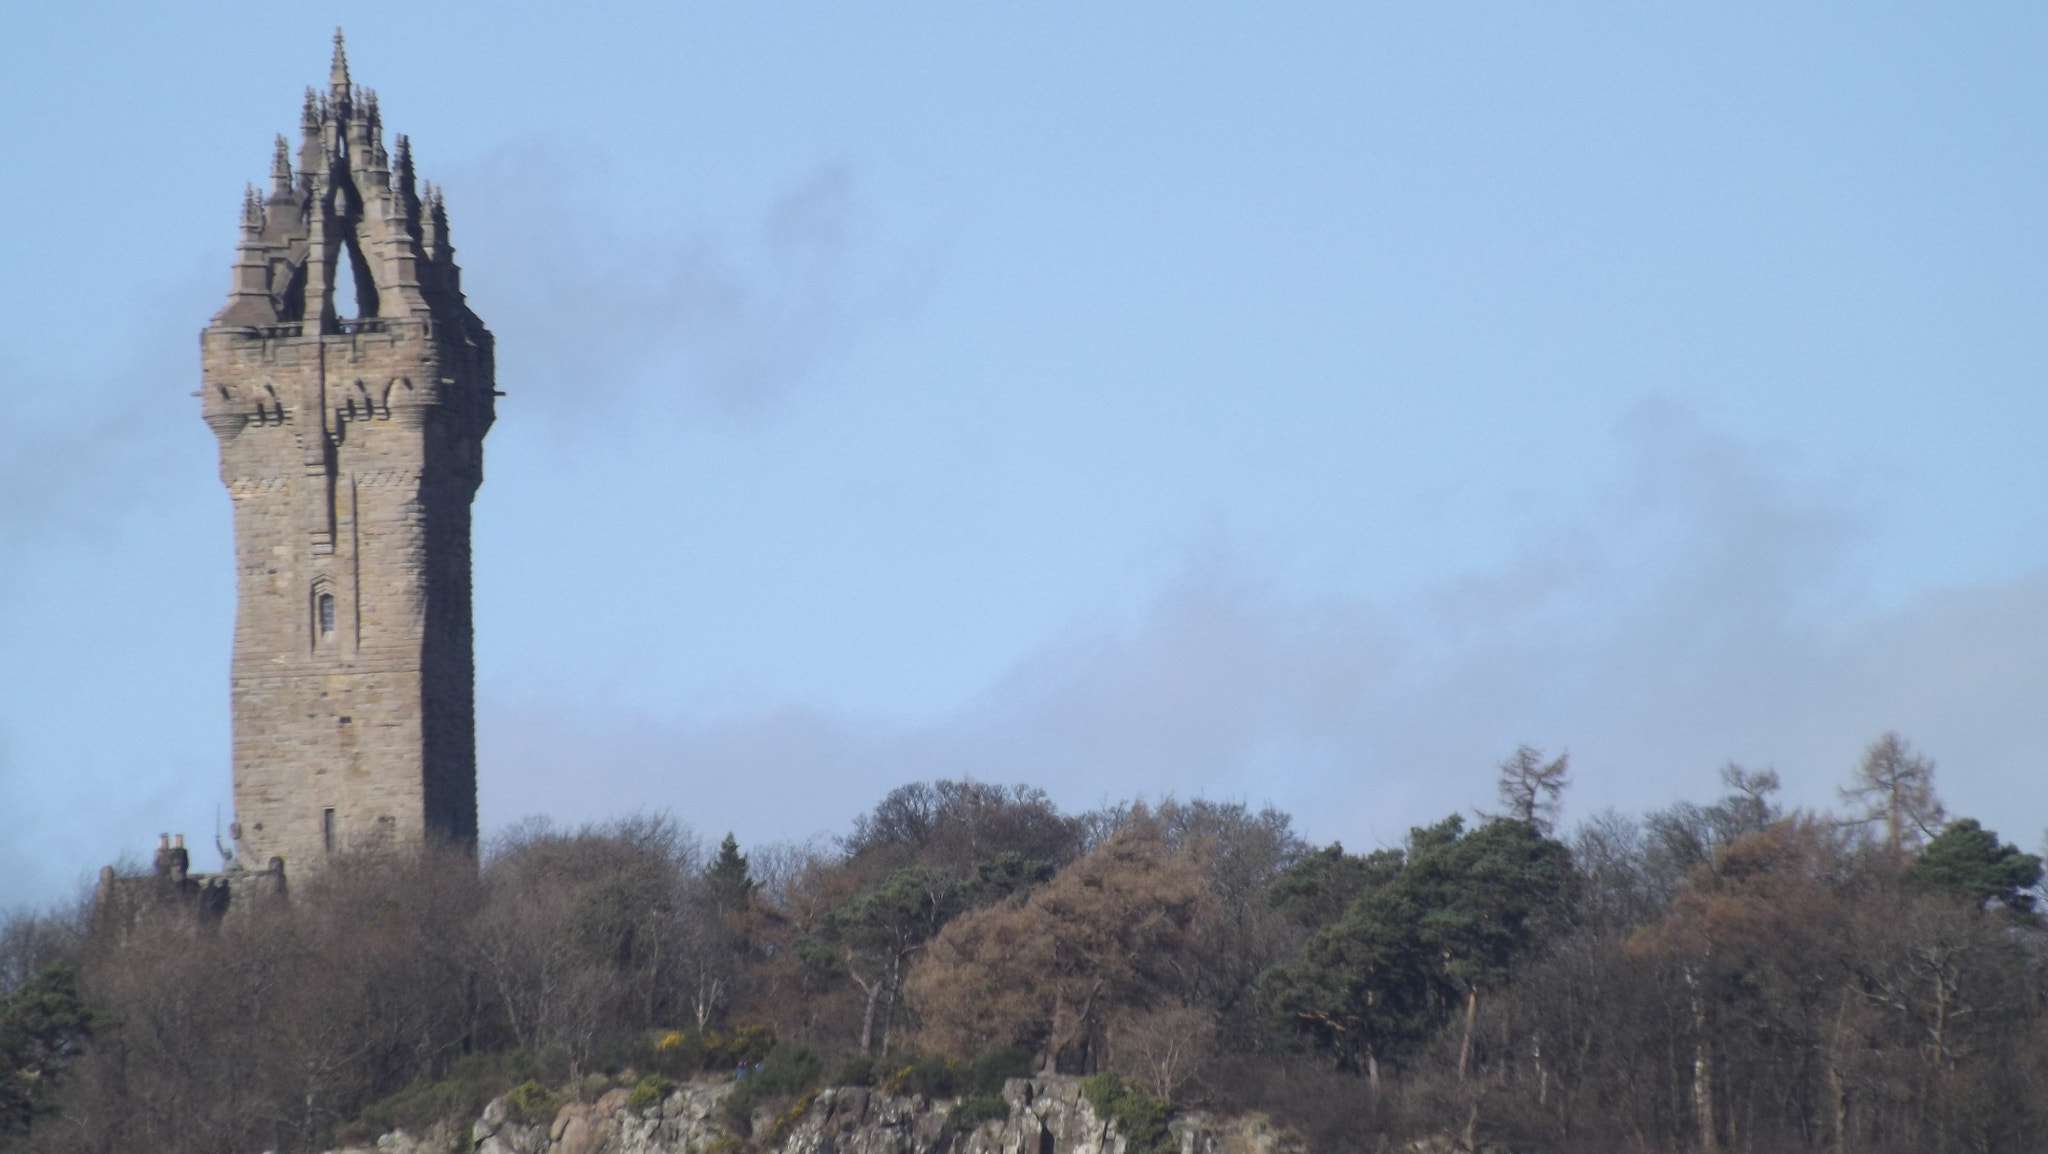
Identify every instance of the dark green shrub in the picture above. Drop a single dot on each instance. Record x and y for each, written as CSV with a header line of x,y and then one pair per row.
x,y
531,1104
790,1117
977,1108
787,1071
684,1054
995,1067
936,1077
932,1075
416,1107
471,1082
1140,1116
674,1053
748,1045
858,1070
1102,1091
649,1093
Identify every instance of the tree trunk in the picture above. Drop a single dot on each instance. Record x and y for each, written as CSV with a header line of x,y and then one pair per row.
x,y
1838,1088
1702,1068
1839,1095
867,1020
1703,1096
1471,1015
1052,1040
1372,1072
894,983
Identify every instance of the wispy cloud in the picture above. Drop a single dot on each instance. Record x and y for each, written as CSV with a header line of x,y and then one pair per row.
x,y
1706,612
81,452
607,302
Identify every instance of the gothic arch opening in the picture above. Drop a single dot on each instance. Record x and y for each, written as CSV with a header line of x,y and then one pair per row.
x,y
347,298
355,289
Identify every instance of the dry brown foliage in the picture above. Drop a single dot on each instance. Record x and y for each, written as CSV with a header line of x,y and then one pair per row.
x,y
1116,930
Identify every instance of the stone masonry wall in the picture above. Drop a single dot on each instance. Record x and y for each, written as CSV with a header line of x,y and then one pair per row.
x,y
354,484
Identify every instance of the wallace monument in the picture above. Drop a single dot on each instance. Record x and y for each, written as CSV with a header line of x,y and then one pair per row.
x,y
351,432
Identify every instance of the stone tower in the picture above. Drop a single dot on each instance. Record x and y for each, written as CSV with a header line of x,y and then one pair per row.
x,y
351,443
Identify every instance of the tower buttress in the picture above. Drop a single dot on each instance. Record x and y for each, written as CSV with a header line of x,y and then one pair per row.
x,y
351,443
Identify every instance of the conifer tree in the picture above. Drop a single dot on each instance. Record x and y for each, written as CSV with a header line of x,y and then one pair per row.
x,y
1968,860
731,884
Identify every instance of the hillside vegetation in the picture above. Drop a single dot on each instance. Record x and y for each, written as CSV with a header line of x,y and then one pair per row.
x,y
1714,976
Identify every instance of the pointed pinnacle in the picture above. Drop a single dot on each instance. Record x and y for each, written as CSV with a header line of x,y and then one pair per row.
x,y
281,168
337,75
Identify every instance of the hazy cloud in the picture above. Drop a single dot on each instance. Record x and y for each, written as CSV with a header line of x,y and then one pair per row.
x,y
82,452
1705,613
600,303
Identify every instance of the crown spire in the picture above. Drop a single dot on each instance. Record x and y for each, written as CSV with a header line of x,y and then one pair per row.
x,y
337,76
344,197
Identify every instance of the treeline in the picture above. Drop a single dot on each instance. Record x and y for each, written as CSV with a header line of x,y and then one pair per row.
x,y
1719,976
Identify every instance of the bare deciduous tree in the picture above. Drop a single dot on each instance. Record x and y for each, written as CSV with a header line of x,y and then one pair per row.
x,y
1894,789
1161,1047
1533,789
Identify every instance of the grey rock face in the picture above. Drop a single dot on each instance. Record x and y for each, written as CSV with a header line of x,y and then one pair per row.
x,y
1048,1115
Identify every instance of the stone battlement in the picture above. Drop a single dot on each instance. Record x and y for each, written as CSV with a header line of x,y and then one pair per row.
x,y
171,892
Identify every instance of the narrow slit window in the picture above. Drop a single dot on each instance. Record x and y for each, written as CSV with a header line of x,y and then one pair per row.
x,y
327,830
326,614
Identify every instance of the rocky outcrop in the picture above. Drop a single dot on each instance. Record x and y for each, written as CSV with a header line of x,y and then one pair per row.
x,y
1047,1115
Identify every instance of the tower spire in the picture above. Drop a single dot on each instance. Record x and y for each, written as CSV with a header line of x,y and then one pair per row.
x,y
337,75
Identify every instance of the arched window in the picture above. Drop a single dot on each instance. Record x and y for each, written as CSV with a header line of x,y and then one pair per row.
x,y
325,613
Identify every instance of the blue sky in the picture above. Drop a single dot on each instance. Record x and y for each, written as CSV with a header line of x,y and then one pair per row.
x,y
1300,404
